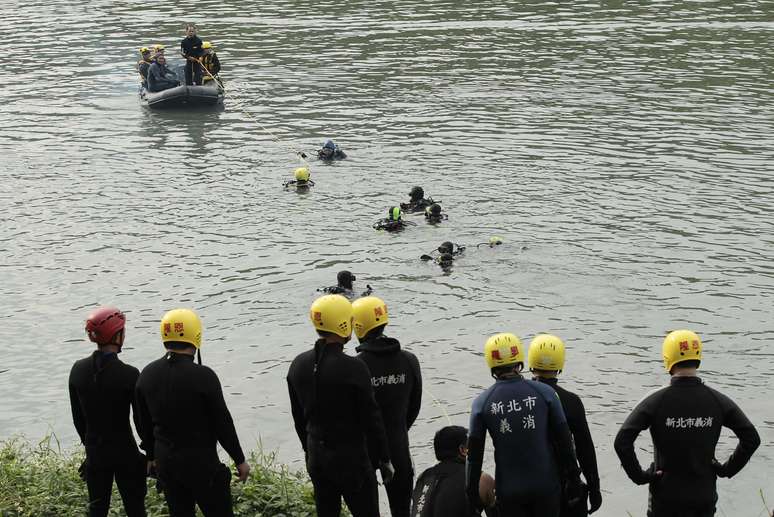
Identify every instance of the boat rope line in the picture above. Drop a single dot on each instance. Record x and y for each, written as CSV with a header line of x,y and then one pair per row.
x,y
301,155
438,404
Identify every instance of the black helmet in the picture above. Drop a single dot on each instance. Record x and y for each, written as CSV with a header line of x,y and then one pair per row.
x,y
417,193
446,247
345,279
435,209
448,440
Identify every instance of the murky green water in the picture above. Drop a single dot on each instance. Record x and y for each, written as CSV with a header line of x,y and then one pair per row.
x,y
622,149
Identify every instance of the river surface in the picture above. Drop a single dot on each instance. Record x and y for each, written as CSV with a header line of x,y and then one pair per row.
x,y
623,150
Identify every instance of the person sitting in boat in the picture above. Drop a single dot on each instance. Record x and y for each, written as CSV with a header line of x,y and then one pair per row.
x,y
191,48
393,222
433,214
417,201
158,50
160,77
330,152
302,180
143,65
210,62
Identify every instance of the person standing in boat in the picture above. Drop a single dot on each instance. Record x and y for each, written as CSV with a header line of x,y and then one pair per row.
x,y
210,62
160,77
143,65
191,48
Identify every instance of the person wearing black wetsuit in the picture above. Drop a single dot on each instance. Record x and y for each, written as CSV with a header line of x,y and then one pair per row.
x,y
393,222
183,416
397,382
546,360
336,416
685,420
101,392
330,152
191,48
417,201
532,442
440,490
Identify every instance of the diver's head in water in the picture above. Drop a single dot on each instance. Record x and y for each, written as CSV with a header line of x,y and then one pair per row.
x,y
433,212
495,241
344,279
328,150
417,193
446,247
446,259
302,175
394,214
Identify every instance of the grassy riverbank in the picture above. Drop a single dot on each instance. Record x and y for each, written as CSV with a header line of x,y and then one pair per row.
x,y
39,479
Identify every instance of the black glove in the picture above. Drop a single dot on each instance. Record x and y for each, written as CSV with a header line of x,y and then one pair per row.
x,y
650,475
595,500
387,471
720,469
574,491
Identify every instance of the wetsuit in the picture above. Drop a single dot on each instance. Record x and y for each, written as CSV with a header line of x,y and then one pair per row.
x,y
101,391
191,47
338,421
685,419
212,64
533,447
416,205
142,68
161,78
397,383
390,225
584,445
440,492
182,418
330,154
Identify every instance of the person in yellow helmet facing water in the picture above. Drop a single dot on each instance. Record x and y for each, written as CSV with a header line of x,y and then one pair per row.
x,y
336,416
302,179
183,416
546,358
532,444
210,62
397,382
685,420
143,65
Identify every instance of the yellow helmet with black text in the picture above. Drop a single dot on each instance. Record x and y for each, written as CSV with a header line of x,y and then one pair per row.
x,y
332,313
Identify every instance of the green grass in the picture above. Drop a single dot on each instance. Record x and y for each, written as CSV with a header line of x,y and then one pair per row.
x,y
41,480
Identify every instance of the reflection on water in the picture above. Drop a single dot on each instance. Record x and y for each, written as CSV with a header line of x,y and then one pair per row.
x,y
622,151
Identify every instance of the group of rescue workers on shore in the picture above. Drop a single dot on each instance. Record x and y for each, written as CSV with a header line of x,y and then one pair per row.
x,y
201,64
352,416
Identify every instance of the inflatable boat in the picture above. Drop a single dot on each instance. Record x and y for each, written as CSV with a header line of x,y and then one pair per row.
x,y
183,96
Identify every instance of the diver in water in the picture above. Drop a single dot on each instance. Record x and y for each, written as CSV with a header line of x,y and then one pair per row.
x,y
417,201
433,214
330,152
493,241
344,280
302,180
446,248
393,222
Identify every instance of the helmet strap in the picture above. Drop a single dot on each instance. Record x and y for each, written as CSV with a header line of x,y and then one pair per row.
x,y
199,355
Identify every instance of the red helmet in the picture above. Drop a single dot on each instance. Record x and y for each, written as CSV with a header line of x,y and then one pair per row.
x,y
103,324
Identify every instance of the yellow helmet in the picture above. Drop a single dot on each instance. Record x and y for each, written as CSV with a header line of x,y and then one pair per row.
x,y
369,312
495,241
332,313
182,325
302,174
546,352
158,46
679,346
502,350
144,50
207,44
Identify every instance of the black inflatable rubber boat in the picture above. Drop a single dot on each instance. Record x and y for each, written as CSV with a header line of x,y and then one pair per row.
x,y
183,96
